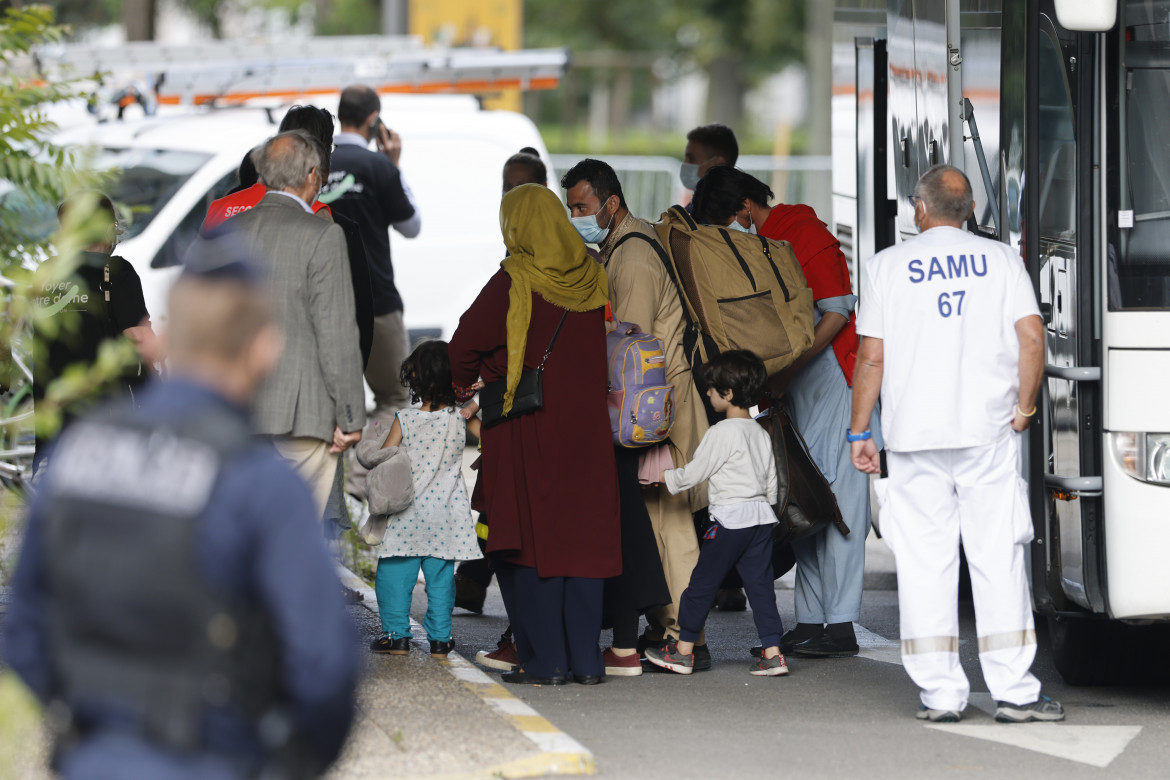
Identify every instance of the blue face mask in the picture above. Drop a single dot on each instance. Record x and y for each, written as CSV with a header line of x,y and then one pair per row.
x,y
589,230
689,173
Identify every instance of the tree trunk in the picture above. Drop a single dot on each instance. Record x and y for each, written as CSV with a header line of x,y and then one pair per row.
x,y
726,85
138,16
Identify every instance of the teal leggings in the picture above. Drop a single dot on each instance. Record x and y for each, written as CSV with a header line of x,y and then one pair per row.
x,y
394,584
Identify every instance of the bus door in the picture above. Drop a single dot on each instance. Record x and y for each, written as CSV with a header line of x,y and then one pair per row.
x,y
1062,302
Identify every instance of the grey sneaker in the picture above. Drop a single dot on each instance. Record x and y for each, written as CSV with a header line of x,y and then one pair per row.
x,y
768,667
1044,709
668,657
937,716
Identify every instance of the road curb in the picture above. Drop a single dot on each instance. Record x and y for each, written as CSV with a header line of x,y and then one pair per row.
x,y
559,753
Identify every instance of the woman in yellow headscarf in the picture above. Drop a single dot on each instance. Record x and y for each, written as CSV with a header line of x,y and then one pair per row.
x,y
550,486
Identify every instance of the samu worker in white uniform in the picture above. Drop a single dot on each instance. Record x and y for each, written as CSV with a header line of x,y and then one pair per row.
x,y
952,339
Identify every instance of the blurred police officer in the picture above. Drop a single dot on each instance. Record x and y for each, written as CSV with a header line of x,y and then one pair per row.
x,y
174,604
954,343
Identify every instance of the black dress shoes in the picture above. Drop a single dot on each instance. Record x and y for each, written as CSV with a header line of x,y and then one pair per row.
x,y
521,677
826,645
384,645
589,679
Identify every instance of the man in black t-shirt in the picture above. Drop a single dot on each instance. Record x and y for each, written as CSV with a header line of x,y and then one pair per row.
x,y
101,299
368,187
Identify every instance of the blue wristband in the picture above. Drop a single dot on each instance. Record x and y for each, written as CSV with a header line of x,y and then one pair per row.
x,y
863,436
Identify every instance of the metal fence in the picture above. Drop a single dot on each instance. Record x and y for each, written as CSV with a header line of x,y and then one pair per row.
x,y
651,184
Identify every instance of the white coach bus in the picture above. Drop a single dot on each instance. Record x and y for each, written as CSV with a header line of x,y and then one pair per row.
x,y
1057,111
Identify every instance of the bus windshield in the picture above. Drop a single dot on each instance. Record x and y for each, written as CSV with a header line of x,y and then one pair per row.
x,y
1141,270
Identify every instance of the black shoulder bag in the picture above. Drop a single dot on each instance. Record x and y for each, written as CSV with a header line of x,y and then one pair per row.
x,y
529,396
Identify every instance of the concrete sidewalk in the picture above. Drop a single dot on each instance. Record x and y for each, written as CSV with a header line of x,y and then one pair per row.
x,y
420,717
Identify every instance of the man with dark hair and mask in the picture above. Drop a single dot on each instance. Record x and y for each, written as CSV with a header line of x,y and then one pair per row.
x,y
707,146
173,604
641,292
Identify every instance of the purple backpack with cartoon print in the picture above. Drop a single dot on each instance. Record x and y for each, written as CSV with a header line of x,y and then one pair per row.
x,y
641,402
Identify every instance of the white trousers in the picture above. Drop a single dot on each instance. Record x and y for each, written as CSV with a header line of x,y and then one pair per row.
x,y
932,501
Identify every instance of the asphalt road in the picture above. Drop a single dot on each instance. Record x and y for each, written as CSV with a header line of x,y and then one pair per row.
x,y
851,717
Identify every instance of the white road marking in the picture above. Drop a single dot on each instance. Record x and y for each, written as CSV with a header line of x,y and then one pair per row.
x,y
877,648
1093,745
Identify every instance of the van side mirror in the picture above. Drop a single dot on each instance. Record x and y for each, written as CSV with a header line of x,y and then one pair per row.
x,y
1087,15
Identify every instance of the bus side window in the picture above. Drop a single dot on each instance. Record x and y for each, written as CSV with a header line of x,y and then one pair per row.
x,y
175,248
1058,159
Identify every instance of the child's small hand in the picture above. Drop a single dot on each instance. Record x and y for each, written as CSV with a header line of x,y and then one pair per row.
x,y
469,411
662,477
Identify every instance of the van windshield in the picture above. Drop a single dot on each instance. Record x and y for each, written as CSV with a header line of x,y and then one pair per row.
x,y
145,179
1140,273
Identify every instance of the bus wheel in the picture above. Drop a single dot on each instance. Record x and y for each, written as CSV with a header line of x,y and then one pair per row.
x,y
1108,652
1084,651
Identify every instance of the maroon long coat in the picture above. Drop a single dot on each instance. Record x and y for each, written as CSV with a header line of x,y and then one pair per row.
x,y
550,483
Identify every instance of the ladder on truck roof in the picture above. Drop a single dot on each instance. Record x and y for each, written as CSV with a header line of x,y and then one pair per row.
x,y
227,72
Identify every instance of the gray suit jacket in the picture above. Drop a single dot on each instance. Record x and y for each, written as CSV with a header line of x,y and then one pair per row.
x,y
318,383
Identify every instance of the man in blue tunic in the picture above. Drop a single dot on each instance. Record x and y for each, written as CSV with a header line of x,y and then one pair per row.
x,y
174,605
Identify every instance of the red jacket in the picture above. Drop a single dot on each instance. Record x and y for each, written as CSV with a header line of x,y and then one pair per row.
x,y
230,205
824,268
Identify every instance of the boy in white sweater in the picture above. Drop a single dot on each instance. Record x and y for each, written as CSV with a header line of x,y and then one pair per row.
x,y
735,459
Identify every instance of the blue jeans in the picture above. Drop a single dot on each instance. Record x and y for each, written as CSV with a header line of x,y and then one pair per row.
x,y
748,551
394,584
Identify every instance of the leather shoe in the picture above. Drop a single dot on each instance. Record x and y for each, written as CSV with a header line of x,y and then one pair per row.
x,y
825,645
731,600
384,645
521,677
702,658
589,679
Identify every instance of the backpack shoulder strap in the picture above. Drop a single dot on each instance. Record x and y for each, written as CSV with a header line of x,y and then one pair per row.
x,y
682,215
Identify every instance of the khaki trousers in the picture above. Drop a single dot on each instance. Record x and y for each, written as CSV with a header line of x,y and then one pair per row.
x,y
313,462
390,347
678,546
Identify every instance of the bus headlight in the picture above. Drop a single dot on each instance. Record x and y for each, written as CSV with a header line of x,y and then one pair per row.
x,y
1158,458
1144,456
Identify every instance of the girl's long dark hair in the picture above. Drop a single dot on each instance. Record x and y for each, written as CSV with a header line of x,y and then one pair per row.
x,y
427,372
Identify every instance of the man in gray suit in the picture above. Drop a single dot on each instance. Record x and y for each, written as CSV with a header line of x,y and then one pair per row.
x,y
313,404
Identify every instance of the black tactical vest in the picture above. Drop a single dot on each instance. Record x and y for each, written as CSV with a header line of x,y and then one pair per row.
x,y
134,626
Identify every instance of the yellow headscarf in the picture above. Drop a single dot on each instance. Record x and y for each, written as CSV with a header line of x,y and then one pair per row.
x,y
546,256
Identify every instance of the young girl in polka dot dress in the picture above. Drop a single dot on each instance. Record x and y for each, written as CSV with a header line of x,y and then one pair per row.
x,y
436,529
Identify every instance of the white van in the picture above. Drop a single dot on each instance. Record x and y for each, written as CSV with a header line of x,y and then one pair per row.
x,y
171,167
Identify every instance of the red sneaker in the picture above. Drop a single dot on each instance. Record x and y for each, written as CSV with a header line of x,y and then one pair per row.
x,y
504,657
621,665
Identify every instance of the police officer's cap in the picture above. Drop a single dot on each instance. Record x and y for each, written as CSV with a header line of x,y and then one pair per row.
x,y
224,255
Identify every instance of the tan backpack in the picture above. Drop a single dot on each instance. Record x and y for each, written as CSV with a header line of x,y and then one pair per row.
x,y
738,290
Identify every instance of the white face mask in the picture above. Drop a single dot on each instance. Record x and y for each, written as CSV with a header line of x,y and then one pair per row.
x,y
689,173
751,228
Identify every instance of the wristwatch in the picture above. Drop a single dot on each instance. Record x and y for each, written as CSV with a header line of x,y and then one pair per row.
x,y
863,436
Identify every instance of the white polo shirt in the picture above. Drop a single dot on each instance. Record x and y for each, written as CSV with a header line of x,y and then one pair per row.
x,y
945,304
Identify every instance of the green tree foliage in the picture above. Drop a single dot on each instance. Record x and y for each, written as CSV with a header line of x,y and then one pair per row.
x,y
765,34
35,175
737,42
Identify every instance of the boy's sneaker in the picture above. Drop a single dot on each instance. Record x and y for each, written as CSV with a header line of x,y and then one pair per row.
x,y
1044,709
668,657
937,716
621,665
768,667
504,657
